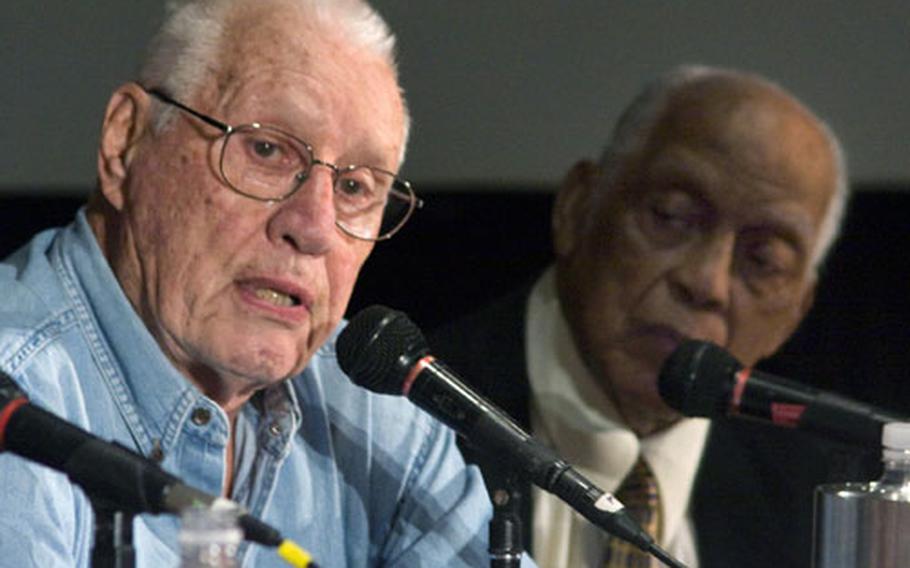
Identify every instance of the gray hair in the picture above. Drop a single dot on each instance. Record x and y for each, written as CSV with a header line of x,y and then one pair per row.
x,y
634,127
186,47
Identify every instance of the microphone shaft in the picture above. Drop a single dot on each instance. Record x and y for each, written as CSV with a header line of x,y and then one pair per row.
x,y
438,390
788,403
103,469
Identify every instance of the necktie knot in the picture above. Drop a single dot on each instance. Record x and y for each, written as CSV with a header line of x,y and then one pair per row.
x,y
639,494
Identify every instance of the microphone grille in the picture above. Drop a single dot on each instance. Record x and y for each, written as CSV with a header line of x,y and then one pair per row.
x,y
379,347
696,379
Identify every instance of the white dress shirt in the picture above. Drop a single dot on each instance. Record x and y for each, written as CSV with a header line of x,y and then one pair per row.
x,y
574,416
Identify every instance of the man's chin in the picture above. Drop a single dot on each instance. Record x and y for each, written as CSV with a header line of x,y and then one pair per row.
x,y
261,367
264,376
646,423
642,407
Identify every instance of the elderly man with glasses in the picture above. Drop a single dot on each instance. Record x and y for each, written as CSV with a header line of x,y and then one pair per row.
x,y
190,310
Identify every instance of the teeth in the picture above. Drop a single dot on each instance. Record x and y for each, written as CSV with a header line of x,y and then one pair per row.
x,y
274,297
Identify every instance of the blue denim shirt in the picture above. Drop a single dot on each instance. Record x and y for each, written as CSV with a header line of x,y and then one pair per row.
x,y
357,479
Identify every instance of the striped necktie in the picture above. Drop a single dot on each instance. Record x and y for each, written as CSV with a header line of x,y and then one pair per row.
x,y
640,496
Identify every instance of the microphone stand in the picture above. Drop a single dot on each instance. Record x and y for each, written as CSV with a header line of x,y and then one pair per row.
x,y
113,547
505,527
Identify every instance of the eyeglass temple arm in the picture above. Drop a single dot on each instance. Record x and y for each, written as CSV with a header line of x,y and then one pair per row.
x,y
164,97
407,194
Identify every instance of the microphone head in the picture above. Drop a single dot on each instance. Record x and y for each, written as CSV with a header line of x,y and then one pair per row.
x,y
697,379
379,347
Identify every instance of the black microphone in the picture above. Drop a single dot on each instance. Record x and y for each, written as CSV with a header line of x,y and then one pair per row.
x,y
384,351
701,379
106,470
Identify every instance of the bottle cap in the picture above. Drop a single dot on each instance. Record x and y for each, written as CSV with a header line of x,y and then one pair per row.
x,y
896,435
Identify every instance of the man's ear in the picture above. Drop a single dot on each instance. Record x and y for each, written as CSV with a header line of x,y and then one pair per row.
x,y
125,121
572,206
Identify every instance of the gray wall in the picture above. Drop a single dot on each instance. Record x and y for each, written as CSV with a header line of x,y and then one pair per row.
x,y
505,91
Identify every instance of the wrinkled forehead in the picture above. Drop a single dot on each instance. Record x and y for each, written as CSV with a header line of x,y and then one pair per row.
x,y
285,37
755,130
286,58
270,32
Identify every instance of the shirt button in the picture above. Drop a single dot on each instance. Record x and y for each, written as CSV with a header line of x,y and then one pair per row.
x,y
157,454
274,429
201,416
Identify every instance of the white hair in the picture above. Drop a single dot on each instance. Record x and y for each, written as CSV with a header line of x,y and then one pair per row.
x,y
634,127
185,51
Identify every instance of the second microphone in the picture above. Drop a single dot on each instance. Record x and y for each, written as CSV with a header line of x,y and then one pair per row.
x,y
383,351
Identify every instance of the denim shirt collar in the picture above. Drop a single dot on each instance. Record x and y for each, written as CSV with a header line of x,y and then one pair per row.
x,y
153,396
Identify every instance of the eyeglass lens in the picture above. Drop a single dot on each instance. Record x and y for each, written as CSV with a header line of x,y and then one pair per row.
x,y
267,164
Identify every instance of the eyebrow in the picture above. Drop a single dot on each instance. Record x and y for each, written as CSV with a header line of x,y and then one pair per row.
x,y
297,120
792,226
795,226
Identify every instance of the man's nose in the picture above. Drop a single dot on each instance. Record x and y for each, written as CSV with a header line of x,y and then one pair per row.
x,y
704,273
306,219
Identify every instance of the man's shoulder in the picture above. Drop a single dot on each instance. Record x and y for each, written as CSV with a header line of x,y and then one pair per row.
x,y
33,310
30,285
756,484
799,456
493,328
487,350
46,364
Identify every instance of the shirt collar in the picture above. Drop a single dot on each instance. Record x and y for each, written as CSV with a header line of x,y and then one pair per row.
x,y
580,421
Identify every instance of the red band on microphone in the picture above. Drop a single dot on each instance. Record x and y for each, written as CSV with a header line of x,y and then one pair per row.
x,y
739,387
6,414
787,414
415,370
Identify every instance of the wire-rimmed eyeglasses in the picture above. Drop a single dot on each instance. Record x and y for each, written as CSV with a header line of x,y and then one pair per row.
x,y
267,164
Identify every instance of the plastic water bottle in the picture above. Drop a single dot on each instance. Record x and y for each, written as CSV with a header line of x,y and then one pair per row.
x,y
209,538
867,525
